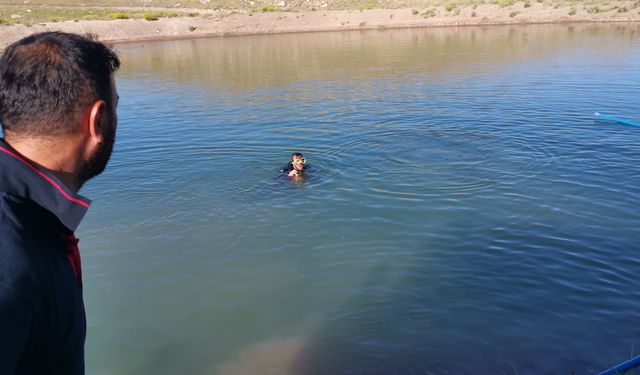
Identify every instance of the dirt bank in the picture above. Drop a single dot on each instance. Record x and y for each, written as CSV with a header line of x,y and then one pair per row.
x,y
226,22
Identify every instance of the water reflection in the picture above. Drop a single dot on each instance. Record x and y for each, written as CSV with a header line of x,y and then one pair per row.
x,y
250,62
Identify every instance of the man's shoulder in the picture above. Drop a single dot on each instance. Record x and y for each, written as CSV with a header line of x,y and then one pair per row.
x,y
15,214
17,211
10,218
16,272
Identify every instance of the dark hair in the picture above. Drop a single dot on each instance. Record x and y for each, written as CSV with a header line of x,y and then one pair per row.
x,y
296,155
46,79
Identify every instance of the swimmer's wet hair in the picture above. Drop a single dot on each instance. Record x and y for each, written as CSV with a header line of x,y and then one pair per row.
x,y
296,155
48,78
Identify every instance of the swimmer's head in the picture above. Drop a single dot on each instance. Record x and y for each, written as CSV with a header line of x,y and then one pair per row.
x,y
298,161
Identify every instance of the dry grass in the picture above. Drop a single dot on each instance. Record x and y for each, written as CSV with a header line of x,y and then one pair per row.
x,y
38,11
30,15
288,4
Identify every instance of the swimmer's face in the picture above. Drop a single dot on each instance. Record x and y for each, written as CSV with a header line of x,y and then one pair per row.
x,y
298,163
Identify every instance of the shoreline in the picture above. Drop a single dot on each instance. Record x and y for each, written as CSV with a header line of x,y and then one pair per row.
x,y
224,23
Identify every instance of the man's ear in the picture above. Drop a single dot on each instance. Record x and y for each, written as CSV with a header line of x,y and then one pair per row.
x,y
95,122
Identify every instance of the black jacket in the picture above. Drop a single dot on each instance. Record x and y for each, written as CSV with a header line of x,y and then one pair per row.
x,y
42,318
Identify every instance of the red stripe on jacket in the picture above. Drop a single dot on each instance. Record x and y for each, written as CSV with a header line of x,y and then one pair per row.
x,y
47,178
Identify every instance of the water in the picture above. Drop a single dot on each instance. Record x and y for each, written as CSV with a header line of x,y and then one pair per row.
x,y
467,212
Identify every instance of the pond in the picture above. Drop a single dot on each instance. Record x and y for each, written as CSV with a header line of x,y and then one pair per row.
x,y
465,211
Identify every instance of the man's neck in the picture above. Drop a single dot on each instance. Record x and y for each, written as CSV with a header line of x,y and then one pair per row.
x,y
56,155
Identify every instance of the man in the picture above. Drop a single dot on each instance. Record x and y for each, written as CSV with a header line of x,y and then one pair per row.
x,y
58,112
295,168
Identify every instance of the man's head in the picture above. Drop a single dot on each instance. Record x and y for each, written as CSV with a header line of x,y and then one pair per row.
x,y
298,161
56,85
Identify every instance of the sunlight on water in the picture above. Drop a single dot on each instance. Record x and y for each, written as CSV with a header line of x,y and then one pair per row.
x,y
464,213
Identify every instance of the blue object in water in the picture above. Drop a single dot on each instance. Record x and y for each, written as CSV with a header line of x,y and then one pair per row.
x,y
623,367
616,119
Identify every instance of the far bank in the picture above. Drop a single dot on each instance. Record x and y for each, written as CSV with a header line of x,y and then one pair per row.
x,y
250,22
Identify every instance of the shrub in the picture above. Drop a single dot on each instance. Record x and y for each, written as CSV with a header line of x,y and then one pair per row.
x,y
506,3
269,8
429,13
154,16
368,5
449,7
119,16
150,16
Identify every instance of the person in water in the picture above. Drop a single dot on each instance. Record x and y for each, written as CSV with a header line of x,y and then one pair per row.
x,y
295,168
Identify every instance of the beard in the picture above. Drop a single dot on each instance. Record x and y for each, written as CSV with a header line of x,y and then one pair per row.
x,y
99,160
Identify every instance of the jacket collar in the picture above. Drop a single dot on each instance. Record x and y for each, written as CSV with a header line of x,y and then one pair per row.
x,y
20,177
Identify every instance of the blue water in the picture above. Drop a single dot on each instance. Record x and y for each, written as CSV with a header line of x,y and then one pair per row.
x,y
467,213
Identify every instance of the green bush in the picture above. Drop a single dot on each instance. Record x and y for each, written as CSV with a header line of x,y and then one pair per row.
x,y
269,8
368,5
150,16
154,16
119,16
